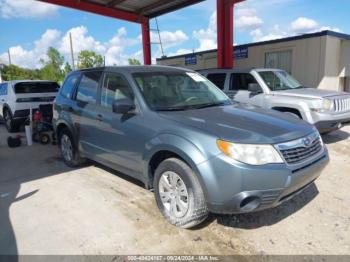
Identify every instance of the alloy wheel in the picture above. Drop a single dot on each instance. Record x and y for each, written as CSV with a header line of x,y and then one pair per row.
x,y
66,148
173,194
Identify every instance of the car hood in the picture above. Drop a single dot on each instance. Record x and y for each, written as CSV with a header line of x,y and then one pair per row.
x,y
242,123
309,93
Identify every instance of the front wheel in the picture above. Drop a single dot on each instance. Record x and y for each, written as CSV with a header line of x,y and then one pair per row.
x,y
178,194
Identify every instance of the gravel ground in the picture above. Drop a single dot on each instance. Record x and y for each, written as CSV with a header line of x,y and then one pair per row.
x,y
47,208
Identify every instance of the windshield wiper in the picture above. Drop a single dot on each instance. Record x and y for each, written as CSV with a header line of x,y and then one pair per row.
x,y
214,104
170,108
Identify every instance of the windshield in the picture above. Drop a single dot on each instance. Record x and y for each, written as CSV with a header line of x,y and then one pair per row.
x,y
167,91
279,80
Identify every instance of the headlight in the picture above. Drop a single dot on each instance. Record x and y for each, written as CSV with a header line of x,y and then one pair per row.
x,y
250,154
327,104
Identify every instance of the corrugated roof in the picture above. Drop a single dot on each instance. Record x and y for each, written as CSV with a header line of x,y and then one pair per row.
x,y
148,8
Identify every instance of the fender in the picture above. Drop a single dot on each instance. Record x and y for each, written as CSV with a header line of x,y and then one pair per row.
x,y
303,109
181,146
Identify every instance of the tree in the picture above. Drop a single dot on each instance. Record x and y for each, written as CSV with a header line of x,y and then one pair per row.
x,y
13,72
88,59
134,61
52,69
67,68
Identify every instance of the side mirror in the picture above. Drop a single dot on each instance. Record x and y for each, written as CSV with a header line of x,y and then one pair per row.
x,y
254,88
123,106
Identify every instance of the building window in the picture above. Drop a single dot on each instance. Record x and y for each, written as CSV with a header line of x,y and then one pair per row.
x,y
281,60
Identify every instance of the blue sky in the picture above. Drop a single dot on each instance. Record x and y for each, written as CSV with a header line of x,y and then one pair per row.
x,y
28,28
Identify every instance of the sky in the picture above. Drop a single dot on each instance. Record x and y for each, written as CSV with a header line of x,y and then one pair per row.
x,y
28,28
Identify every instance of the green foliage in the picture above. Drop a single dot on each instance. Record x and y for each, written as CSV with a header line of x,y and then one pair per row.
x,y
134,61
67,68
13,72
52,67
88,59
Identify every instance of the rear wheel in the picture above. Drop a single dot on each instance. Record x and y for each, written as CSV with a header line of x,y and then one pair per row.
x,y
179,194
69,151
9,123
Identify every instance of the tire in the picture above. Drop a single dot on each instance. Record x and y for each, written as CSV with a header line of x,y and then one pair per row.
x,y
9,123
45,139
69,151
195,209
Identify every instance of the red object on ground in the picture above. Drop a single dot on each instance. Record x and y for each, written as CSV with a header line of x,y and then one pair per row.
x,y
37,117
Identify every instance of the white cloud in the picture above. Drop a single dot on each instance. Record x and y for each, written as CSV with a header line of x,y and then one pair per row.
x,y
26,9
115,50
275,33
181,51
303,25
207,37
168,38
247,19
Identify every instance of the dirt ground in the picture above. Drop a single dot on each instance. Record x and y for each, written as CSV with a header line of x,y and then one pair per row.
x,y
47,208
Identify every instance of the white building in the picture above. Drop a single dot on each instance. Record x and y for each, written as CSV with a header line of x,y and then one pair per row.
x,y
319,60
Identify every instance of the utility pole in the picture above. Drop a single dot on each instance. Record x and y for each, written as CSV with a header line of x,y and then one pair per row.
x,y
9,53
71,50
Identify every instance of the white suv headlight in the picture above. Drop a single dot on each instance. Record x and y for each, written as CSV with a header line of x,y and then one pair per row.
x,y
250,154
327,104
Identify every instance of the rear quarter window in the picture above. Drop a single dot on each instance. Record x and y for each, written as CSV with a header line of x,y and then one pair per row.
x,y
36,87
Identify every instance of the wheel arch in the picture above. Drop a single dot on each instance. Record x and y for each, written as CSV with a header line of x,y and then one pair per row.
x,y
293,110
168,146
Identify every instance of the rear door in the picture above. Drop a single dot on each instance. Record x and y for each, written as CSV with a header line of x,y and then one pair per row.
x,y
238,89
84,111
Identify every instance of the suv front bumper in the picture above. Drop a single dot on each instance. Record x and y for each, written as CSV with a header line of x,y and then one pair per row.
x,y
239,188
326,122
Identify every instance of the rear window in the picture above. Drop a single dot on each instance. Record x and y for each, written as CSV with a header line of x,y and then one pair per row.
x,y
36,87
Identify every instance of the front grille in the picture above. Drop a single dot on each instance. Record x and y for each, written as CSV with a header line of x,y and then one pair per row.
x,y
341,105
302,149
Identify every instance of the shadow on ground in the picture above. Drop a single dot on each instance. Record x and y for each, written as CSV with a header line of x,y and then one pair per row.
x,y
270,216
18,166
335,137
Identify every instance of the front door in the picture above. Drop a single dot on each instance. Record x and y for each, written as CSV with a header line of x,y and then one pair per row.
x,y
238,89
121,136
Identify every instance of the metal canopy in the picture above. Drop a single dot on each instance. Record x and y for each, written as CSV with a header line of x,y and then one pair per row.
x,y
130,10
141,11
148,8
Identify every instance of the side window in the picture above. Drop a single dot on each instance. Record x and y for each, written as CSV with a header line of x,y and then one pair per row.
x,y
88,87
115,87
3,89
218,79
68,85
241,81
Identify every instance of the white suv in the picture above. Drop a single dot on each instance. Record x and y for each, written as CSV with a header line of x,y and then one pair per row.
x,y
17,97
